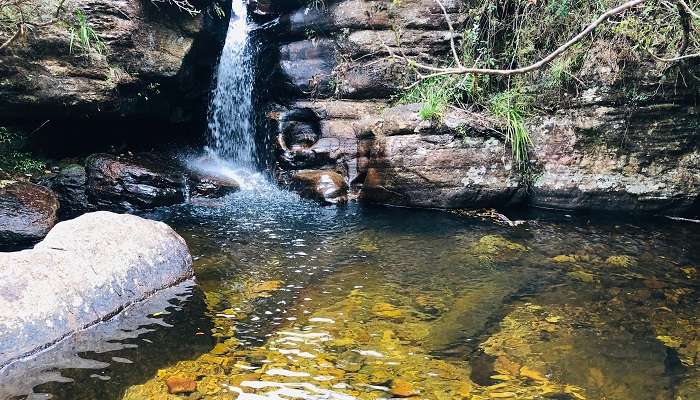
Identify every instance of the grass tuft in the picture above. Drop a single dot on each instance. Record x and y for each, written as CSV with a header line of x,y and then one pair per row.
x,y
84,36
511,106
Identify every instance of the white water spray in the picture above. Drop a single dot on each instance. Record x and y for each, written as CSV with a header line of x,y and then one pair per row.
x,y
231,151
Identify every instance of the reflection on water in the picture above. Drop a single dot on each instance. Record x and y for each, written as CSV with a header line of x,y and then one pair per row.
x,y
300,301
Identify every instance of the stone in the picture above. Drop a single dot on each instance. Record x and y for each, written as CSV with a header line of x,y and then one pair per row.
x,y
325,186
307,66
85,270
402,388
69,185
180,384
27,212
426,164
212,186
134,182
152,64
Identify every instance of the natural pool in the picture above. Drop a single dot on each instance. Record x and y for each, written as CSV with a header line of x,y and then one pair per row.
x,y
294,300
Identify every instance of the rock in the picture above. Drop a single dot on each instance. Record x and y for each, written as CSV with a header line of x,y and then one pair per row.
x,y
212,186
325,186
308,66
179,384
451,164
151,67
27,212
85,270
134,182
402,388
69,185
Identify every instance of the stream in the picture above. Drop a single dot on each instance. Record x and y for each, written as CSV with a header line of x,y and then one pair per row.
x,y
295,300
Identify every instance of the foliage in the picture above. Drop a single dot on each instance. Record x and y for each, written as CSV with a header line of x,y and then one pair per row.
x,y
82,34
12,159
510,34
511,106
438,93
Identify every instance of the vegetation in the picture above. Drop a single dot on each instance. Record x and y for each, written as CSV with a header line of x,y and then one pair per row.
x,y
20,17
84,35
507,48
13,160
511,106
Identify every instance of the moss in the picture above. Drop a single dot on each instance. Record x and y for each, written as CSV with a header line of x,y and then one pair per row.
x,y
494,244
620,261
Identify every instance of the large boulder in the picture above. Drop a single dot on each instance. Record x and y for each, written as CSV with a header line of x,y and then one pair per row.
x,y
85,270
27,212
599,155
134,182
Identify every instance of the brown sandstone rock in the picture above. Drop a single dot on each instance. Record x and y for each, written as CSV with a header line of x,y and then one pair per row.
x,y
27,212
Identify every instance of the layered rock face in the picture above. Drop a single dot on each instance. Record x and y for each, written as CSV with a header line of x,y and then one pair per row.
x,y
599,149
156,63
85,270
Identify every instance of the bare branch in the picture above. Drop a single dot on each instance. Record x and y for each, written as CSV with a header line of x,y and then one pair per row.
x,y
458,62
687,8
183,5
438,71
15,36
673,59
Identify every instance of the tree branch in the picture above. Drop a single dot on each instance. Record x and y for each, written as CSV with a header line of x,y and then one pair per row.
x,y
458,62
439,71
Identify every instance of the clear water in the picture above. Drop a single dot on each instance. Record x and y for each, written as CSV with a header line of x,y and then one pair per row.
x,y
230,129
294,300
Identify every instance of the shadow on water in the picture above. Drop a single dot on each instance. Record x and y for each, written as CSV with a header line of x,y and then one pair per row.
x,y
102,361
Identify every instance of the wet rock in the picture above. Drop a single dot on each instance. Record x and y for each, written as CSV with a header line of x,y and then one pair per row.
x,y
212,186
402,388
27,212
86,269
324,186
69,185
133,182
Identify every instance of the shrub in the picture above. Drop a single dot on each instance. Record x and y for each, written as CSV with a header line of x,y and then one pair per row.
x,y
12,159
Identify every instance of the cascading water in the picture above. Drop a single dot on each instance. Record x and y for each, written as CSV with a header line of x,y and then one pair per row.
x,y
231,151
231,134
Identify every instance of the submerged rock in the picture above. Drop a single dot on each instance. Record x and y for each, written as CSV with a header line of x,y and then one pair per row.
x,y
85,270
27,212
325,186
135,182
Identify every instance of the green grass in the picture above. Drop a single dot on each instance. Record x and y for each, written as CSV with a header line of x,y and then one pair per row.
x,y
436,94
84,36
511,106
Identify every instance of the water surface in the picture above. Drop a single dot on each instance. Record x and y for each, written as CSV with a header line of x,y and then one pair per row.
x,y
294,300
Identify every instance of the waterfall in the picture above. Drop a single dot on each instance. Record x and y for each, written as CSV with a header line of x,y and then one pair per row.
x,y
231,149
231,134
